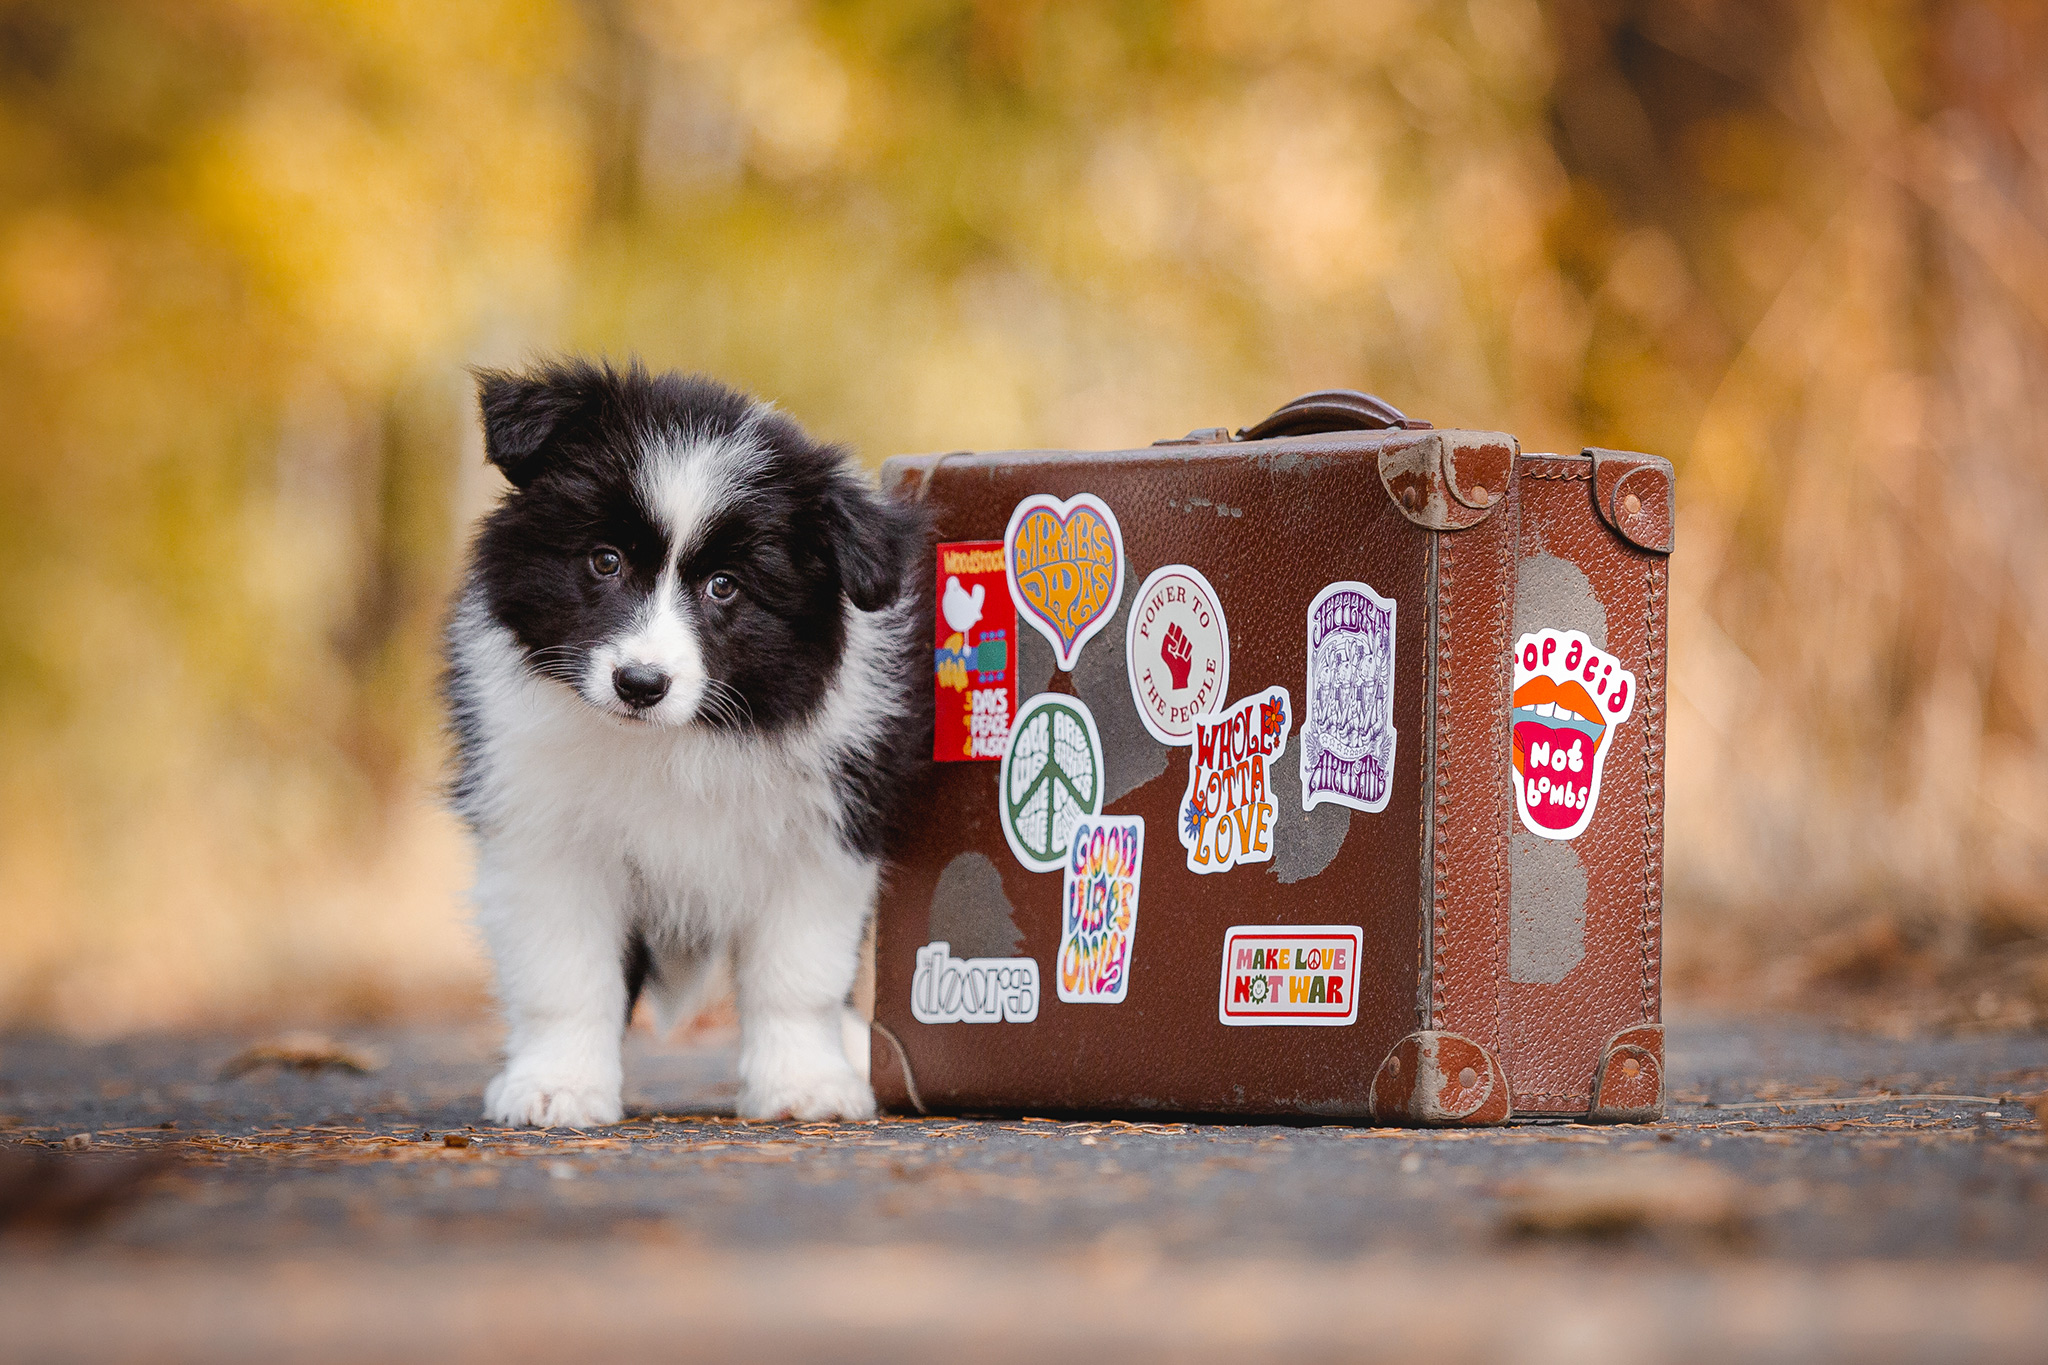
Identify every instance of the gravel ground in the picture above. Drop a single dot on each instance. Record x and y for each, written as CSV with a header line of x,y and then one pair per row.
x,y
1813,1195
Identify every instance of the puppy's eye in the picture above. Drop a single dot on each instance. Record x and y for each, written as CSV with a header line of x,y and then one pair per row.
x,y
605,562
721,587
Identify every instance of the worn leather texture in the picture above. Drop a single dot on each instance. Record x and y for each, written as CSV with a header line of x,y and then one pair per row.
x,y
1270,523
1440,1080
1578,570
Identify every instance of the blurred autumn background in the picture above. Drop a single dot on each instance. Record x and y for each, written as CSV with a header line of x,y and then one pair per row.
x,y
248,249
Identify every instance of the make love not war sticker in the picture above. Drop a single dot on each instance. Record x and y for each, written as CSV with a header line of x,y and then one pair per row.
x,y
1051,778
1569,695
1303,974
1347,723
974,653
1065,562
1226,814
1177,652
1099,909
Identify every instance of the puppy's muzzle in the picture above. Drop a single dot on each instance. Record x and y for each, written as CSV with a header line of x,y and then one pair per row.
x,y
639,685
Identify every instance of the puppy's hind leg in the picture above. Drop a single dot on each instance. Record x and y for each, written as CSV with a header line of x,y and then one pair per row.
x,y
680,982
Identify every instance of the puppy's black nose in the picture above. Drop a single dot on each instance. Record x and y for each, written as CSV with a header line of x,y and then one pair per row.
x,y
640,685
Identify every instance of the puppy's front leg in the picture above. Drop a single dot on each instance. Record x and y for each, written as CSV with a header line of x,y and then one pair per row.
x,y
793,966
556,935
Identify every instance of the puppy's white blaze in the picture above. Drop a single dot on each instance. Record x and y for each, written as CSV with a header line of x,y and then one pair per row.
x,y
686,482
663,635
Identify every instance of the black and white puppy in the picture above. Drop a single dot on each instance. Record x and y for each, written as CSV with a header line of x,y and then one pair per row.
x,y
680,673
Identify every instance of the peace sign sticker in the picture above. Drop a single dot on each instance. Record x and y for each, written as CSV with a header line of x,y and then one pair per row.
x,y
1051,778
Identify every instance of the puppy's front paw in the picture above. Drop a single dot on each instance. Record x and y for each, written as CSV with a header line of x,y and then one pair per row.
x,y
831,1095
518,1097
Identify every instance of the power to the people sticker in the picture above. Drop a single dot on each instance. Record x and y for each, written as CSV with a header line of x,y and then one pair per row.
x,y
1177,652
1226,813
1290,974
974,668
1569,695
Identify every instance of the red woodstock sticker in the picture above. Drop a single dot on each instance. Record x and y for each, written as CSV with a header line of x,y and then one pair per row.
x,y
974,669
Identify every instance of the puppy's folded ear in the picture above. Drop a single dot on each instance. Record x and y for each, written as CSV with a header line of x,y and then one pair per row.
x,y
873,539
525,415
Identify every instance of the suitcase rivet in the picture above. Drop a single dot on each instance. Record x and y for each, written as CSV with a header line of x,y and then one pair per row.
x,y
1481,496
1632,504
1630,1066
1410,499
1468,1078
1393,1066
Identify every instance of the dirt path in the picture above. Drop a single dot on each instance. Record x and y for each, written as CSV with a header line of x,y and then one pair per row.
x,y
328,1216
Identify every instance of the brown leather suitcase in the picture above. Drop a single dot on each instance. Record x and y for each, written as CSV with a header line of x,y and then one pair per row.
x,y
1248,845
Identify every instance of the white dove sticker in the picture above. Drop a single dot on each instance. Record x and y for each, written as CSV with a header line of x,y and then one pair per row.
x,y
963,608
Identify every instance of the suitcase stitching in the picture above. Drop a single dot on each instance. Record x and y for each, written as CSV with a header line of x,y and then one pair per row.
x,y
1505,548
1444,634
1653,741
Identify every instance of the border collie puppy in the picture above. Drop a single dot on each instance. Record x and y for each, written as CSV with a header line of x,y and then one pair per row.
x,y
680,673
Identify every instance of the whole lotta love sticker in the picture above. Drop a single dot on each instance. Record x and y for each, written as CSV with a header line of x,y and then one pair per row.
x,y
1226,814
1569,696
1099,909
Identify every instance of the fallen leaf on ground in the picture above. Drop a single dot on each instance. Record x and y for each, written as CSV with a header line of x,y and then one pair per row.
x,y
307,1052
1625,1198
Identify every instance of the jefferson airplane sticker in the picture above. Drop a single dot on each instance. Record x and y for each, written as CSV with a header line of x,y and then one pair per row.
x,y
1347,724
1177,651
1569,696
1065,563
1290,974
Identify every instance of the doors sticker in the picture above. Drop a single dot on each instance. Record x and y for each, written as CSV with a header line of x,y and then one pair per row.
x,y
1065,564
1290,974
1177,652
1347,723
1051,778
974,670
1099,909
1226,813
1569,695
976,990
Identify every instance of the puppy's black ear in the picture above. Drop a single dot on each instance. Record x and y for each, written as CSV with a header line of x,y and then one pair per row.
x,y
524,414
873,539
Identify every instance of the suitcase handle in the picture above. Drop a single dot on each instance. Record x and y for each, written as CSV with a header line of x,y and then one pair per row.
x,y
1332,410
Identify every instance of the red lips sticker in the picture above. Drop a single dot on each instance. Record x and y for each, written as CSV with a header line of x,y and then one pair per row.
x,y
1569,695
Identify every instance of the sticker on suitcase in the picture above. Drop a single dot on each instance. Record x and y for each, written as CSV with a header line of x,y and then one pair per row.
x,y
973,990
1347,722
1177,652
1569,695
1226,813
974,669
1290,974
1051,778
1099,910
1065,563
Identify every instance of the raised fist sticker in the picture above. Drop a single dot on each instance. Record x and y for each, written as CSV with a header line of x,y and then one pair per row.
x,y
1178,654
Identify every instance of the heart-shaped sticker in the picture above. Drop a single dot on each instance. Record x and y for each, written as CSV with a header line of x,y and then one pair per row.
x,y
1065,563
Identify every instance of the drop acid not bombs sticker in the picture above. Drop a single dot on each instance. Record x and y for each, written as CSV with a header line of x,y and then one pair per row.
x,y
1290,974
1226,814
1177,649
974,670
1347,724
1099,914
1569,696
976,990
1050,779
1065,562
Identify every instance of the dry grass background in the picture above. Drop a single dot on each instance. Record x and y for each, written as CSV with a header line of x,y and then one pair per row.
x,y
247,249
